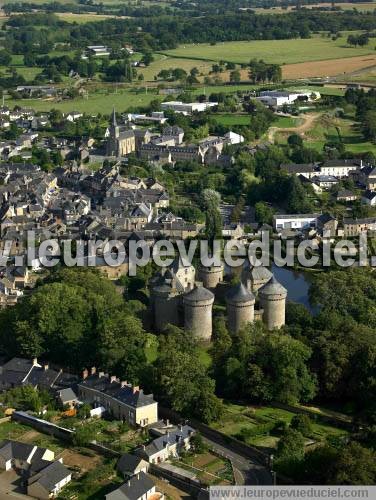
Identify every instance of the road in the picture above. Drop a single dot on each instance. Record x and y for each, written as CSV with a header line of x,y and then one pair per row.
x,y
251,471
309,120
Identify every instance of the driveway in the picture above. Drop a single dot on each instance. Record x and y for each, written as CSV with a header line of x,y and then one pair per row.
x,y
10,486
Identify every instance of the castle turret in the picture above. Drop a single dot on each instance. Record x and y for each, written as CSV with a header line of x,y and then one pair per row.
x,y
259,276
273,302
165,299
240,307
198,307
210,276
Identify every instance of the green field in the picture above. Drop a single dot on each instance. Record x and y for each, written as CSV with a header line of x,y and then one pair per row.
x,y
330,129
229,120
97,102
316,48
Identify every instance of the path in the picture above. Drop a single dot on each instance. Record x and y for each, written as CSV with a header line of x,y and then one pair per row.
x,y
309,120
252,472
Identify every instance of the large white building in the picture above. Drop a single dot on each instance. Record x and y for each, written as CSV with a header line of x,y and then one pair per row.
x,y
278,98
294,221
187,108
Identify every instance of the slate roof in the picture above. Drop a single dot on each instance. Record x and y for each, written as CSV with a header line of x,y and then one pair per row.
x,y
128,463
170,438
198,294
67,395
50,475
273,287
239,294
133,489
126,394
14,449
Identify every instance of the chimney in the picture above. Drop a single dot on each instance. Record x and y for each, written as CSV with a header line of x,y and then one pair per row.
x,y
35,361
143,447
180,427
167,422
136,388
101,374
93,370
123,383
113,379
138,476
85,374
45,367
129,483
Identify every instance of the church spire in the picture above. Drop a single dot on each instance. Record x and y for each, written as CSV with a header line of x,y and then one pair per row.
x,y
113,118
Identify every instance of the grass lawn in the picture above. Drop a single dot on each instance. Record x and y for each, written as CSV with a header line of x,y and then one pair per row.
x,y
254,419
209,468
285,122
97,102
316,48
229,120
12,430
334,129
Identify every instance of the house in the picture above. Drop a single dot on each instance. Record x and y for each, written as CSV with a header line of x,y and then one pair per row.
x,y
22,456
67,397
340,168
98,50
73,116
294,221
346,196
120,399
327,225
167,445
307,170
139,487
369,198
233,138
49,482
325,181
355,227
128,465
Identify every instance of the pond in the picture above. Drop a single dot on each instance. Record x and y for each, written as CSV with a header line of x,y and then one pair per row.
x,y
297,284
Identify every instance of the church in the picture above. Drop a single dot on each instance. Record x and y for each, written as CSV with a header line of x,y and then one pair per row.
x,y
120,141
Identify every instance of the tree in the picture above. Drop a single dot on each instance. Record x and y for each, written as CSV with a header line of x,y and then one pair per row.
x,y
235,76
290,452
295,140
213,224
302,423
5,58
263,213
193,396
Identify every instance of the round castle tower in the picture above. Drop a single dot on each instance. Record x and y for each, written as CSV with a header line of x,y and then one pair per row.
x,y
210,276
240,307
259,276
165,299
198,308
273,302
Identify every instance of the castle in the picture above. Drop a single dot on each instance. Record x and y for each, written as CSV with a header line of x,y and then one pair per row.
x,y
178,299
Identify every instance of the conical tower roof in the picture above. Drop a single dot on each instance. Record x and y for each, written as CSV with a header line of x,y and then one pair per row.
x,y
113,118
273,287
198,294
239,294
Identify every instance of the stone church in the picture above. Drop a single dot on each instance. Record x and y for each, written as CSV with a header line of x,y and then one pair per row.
x,y
120,141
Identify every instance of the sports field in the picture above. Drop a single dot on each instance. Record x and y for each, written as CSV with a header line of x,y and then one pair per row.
x,y
317,48
69,17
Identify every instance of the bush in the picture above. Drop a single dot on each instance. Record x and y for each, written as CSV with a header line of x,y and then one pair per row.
x,y
302,423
